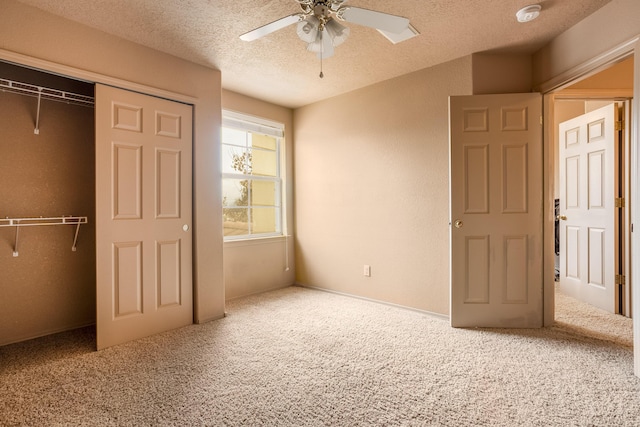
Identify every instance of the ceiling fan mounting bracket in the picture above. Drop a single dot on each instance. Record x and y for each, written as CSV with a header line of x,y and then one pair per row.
x,y
321,9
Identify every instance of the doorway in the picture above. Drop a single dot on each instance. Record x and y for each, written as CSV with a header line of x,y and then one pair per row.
x,y
611,85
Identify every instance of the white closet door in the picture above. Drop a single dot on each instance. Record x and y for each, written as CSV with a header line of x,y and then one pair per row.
x,y
143,215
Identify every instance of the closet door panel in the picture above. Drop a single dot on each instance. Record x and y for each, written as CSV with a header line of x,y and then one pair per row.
x,y
143,215
168,195
127,177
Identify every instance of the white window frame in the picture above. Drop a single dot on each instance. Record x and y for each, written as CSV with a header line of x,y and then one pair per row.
x,y
248,123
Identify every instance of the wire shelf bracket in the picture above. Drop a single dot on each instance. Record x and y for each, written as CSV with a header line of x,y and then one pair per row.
x,y
33,222
45,93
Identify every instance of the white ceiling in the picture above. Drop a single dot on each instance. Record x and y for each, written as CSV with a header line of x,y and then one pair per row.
x,y
277,68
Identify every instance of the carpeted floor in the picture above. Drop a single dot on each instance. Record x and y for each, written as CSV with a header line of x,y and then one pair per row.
x,y
299,357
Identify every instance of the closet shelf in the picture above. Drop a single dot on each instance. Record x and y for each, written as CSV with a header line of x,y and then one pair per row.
x,y
46,93
31,222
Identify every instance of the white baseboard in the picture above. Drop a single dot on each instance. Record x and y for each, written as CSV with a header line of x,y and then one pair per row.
x,y
404,307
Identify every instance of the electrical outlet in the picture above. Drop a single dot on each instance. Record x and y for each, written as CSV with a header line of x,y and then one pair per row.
x,y
367,270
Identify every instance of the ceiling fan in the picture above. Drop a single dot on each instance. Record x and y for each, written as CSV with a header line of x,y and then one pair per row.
x,y
318,25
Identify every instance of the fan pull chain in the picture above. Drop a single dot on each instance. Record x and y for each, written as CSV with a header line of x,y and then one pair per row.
x,y
321,52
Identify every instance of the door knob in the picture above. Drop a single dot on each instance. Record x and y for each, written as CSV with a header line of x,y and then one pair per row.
x,y
185,227
561,217
458,223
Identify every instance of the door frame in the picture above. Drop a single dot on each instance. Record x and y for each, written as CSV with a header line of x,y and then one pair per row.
x,y
587,69
617,96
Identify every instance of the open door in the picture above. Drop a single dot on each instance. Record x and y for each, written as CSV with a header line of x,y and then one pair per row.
x,y
143,215
496,210
588,191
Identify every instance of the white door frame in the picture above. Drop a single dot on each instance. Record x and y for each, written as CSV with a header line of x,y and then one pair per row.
x,y
597,64
618,96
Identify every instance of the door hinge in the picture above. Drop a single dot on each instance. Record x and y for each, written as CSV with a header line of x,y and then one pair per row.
x,y
619,203
620,279
541,120
620,125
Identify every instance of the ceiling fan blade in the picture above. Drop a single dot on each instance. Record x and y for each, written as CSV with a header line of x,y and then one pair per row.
x,y
371,18
271,27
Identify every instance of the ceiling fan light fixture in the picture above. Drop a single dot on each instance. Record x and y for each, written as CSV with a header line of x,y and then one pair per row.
x,y
321,46
528,13
308,29
337,32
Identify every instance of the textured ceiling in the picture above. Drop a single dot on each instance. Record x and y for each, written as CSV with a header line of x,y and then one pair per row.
x,y
277,68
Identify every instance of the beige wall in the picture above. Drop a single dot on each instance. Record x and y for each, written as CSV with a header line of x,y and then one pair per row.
x,y
372,187
493,73
615,78
259,265
614,24
47,288
28,35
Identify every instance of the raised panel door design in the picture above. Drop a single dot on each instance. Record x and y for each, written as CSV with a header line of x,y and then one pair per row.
x,y
595,181
516,280
477,280
476,120
572,269
514,119
595,131
168,124
572,137
572,180
168,183
168,276
515,187
127,117
127,181
127,279
597,256
476,178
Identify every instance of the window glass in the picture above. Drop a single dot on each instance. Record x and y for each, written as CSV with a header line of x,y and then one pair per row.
x,y
251,182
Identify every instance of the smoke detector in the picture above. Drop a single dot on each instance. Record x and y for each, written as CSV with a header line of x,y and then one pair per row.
x,y
528,13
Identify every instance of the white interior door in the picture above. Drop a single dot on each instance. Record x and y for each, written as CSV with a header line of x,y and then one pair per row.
x,y
496,210
587,167
143,215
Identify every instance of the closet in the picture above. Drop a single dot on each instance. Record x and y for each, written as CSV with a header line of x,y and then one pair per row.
x,y
47,204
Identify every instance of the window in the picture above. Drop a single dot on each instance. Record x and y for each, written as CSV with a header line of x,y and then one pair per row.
x,y
251,181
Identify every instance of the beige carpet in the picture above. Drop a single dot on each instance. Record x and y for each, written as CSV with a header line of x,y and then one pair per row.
x,y
582,319
299,357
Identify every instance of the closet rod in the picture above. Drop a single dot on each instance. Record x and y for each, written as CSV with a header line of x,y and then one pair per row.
x,y
31,222
46,93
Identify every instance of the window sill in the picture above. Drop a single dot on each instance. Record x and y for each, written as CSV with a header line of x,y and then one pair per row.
x,y
255,241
